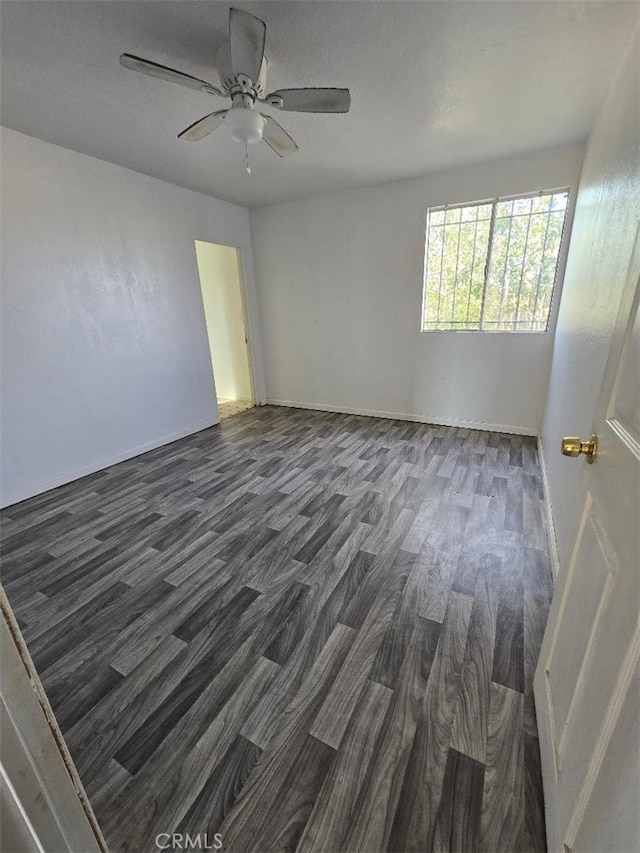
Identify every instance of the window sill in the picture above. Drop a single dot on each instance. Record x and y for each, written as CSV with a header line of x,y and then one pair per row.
x,y
483,332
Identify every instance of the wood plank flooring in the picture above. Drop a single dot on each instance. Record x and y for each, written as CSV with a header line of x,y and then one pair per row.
x,y
301,630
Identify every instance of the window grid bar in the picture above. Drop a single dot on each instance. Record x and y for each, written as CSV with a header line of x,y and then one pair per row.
x,y
473,263
487,322
517,197
505,325
503,322
500,216
524,259
425,287
544,252
487,265
444,235
455,274
505,286
555,268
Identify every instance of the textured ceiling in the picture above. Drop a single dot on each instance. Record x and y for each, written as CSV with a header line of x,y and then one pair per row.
x,y
433,84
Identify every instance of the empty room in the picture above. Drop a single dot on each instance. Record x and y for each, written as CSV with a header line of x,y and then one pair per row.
x,y
320,426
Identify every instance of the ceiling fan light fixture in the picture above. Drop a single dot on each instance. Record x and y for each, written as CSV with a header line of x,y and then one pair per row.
x,y
245,125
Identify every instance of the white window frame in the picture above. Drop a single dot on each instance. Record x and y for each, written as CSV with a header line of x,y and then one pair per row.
x,y
494,201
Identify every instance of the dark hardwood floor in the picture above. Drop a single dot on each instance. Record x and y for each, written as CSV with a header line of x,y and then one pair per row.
x,y
304,631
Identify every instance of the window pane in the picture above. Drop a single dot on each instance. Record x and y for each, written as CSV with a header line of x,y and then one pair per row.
x,y
513,291
504,208
559,201
497,271
548,266
531,268
522,206
477,274
455,261
469,214
541,204
524,256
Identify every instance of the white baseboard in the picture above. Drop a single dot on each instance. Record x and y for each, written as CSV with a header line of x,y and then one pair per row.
x,y
404,416
85,470
551,527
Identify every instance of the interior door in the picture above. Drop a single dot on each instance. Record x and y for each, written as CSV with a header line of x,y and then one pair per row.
x,y
44,806
586,685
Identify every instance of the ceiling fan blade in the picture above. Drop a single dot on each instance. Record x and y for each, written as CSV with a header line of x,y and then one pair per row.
x,y
311,100
277,137
145,66
204,126
247,36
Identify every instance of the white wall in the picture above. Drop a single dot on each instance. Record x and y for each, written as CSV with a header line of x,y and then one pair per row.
x,y
339,281
221,286
104,345
605,228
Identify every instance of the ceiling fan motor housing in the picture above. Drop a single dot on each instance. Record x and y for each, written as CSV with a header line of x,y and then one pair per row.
x,y
232,83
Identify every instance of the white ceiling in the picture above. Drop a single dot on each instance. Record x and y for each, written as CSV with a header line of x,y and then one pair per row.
x,y
433,84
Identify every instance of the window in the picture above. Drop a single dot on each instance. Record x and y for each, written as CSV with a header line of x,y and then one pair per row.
x,y
491,266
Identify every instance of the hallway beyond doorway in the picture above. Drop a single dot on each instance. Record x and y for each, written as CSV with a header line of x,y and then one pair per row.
x,y
229,408
220,271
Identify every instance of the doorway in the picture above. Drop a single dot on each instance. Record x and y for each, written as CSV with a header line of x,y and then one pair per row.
x,y
222,286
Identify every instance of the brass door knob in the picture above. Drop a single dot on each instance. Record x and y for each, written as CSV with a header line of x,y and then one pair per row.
x,y
573,446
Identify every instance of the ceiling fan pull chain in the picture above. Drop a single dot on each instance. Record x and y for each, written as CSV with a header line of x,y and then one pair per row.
x,y
246,157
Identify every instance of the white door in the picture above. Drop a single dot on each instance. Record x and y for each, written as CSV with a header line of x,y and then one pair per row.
x,y
42,802
587,683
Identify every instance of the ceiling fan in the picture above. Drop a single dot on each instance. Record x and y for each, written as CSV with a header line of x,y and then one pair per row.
x,y
242,67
